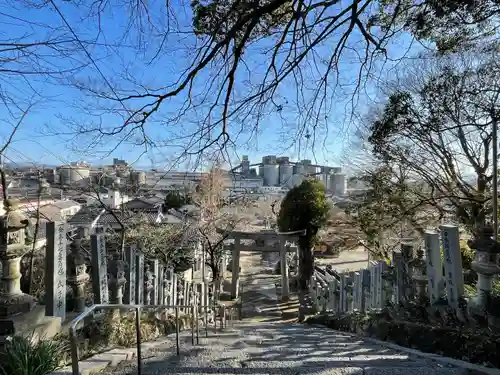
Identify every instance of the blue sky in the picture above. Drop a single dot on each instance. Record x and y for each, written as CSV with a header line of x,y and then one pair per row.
x,y
126,59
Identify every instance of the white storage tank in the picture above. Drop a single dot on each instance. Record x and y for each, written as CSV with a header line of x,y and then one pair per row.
x,y
271,175
295,180
69,174
286,172
338,184
299,169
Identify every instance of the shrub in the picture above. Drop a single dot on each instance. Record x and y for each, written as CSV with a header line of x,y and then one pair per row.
x,y
467,255
29,356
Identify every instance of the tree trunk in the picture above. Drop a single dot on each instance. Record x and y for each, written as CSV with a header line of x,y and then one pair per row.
x,y
306,267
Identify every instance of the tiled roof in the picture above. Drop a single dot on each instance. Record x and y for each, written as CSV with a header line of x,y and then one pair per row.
x,y
108,218
86,215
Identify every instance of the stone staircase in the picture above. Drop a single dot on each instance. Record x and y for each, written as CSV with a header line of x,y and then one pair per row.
x,y
278,348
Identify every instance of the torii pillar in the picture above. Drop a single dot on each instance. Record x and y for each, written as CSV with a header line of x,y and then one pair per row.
x,y
235,270
285,286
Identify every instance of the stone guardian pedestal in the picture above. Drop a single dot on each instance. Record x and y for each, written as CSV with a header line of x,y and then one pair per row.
x,y
486,266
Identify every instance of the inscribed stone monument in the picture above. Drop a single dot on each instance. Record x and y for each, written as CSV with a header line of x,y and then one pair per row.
x,y
55,270
454,274
139,278
130,258
99,269
434,266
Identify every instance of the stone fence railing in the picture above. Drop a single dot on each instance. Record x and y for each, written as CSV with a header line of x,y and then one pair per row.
x,y
432,275
70,271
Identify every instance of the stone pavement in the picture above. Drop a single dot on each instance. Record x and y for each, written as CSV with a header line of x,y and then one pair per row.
x,y
279,348
259,346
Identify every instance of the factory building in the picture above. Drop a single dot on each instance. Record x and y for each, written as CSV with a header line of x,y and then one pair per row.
x,y
73,173
281,172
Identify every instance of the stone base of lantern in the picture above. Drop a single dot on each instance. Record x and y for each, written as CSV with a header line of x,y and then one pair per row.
x,y
15,304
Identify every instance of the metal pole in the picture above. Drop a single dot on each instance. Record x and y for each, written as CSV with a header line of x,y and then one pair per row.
x,y
495,179
74,353
192,323
197,326
206,321
215,313
139,339
177,342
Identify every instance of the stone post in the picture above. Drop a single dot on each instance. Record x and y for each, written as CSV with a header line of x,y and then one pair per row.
x,y
148,284
365,275
373,285
77,274
285,284
399,271
156,281
170,286
55,270
332,295
407,252
435,287
161,285
174,290
485,263
357,291
419,274
130,286
99,269
139,278
343,293
235,272
454,274
379,289
14,242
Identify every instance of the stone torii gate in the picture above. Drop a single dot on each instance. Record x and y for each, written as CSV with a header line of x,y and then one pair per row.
x,y
264,241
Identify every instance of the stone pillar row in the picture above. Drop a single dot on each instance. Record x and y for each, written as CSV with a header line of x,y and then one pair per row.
x,y
417,274
114,280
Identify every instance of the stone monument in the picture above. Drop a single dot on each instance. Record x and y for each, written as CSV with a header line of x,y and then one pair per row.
x,y
55,270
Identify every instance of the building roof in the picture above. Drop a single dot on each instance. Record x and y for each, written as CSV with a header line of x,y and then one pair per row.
x,y
125,217
63,204
143,203
86,215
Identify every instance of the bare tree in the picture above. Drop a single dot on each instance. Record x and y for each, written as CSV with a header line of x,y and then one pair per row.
x,y
210,200
219,93
437,127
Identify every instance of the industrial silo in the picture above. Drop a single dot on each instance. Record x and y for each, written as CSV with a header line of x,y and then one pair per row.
x,y
338,184
271,175
138,177
285,169
295,180
335,170
299,169
325,177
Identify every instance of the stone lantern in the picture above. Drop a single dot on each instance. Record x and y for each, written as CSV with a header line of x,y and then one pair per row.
x,y
77,274
485,264
116,277
15,240
419,274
